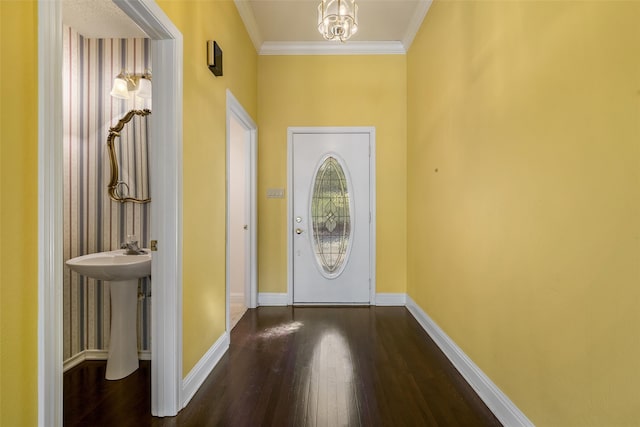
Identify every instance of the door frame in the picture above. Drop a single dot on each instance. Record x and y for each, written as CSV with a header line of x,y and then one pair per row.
x,y
237,112
166,209
371,131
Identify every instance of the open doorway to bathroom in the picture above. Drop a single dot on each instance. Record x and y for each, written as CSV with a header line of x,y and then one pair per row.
x,y
241,212
166,188
99,43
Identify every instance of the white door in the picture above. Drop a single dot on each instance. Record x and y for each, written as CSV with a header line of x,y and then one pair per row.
x,y
331,216
238,221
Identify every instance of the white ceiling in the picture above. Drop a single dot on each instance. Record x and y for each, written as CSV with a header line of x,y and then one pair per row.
x,y
277,26
290,26
99,19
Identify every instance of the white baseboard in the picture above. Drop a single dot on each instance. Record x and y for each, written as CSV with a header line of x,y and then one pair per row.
x,y
272,299
501,406
236,297
203,368
391,300
382,299
96,355
73,361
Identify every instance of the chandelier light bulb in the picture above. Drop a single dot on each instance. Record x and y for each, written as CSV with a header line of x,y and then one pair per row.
x,y
337,19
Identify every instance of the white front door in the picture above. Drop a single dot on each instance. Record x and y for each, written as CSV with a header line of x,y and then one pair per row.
x,y
331,215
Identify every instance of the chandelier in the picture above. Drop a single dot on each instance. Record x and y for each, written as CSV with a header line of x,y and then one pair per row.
x,y
337,19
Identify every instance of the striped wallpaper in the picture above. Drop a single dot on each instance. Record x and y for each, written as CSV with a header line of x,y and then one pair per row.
x,y
92,222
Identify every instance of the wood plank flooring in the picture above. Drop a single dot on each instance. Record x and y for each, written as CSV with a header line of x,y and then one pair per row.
x,y
300,366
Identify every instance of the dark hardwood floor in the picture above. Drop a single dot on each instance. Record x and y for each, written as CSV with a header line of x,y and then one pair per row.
x,y
300,366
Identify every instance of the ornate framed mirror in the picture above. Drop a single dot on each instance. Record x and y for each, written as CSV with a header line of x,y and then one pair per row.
x,y
128,154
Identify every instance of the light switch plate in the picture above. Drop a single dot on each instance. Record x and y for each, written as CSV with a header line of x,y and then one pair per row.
x,y
275,193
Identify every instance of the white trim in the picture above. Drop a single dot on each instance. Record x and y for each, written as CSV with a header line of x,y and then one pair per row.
x,y
97,355
166,205
166,312
372,211
50,197
272,299
203,368
332,48
250,24
104,354
372,200
237,298
501,406
416,22
237,111
74,361
391,300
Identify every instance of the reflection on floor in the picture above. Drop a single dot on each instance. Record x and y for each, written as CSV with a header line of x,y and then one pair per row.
x,y
237,310
299,366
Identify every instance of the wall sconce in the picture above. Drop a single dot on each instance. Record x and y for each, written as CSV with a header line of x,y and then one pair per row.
x,y
125,83
214,57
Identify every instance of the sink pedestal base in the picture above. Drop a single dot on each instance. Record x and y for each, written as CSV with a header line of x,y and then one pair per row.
x,y
123,342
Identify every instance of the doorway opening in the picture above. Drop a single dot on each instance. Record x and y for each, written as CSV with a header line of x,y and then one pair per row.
x,y
166,131
241,252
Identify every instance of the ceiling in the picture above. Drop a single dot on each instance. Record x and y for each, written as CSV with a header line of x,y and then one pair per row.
x,y
291,26
282,27
99,19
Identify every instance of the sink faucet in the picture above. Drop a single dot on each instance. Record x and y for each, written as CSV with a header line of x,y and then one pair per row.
x,y
131,246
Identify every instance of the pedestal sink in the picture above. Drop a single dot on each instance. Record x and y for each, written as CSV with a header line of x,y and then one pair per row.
x,y
122,272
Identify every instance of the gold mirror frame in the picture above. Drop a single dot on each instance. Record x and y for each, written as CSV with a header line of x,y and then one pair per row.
x,y
115,179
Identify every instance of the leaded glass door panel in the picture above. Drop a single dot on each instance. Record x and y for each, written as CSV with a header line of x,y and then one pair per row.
x,y
331,233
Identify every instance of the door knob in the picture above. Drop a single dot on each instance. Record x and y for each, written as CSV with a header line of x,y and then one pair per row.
x,y
298,231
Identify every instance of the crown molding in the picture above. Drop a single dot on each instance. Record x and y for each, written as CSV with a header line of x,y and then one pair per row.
x,y
332,48
250,24
416,23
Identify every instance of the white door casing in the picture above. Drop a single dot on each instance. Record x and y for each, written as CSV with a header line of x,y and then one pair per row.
x,y
344,160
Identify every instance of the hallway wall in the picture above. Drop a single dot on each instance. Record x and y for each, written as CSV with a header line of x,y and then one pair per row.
x,y
204,154
524,199
333,91
18,213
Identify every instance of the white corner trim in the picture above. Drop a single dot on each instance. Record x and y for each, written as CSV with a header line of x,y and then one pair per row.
x,y
332,48
272,299
497,402
391,300
203,368
50,233
250,24
415,23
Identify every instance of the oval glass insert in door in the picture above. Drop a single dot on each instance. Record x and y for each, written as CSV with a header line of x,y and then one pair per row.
x,y
331,217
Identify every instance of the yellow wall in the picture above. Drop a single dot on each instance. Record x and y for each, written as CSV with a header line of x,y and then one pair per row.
x,y
204,150
204,185
525,243
18,213
332,91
